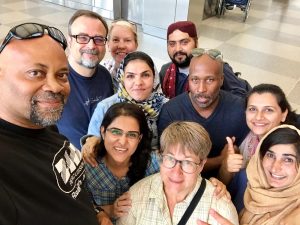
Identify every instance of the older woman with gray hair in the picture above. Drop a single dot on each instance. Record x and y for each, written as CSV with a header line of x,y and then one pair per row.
x,y
178,194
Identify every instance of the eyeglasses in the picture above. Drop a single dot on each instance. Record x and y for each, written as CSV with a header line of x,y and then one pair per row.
x,y
133,135
85,39
126,23
187,166
33,30
213,53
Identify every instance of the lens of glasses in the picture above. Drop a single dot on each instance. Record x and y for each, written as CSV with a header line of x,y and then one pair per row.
x,y
186,165
119,133
28,30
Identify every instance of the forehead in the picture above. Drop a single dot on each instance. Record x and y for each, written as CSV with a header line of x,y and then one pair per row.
x,y
88,25
204,65
137,64
121,30
125,123
267,99
43,50
282,149
179,149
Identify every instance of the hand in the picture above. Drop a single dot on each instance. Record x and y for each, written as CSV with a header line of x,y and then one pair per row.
x,y
234,162
220,190
292,218
89,150
103,219
220,219
122,205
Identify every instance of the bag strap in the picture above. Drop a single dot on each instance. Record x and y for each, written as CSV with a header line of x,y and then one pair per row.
x,y
188,212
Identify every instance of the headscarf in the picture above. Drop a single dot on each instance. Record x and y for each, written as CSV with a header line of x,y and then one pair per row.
x,y
151,106
266,205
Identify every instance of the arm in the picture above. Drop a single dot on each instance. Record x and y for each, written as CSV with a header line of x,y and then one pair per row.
x,y
119,208
220,190
90,149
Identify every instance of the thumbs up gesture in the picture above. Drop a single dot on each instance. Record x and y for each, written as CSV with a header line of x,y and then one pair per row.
x,y
233,160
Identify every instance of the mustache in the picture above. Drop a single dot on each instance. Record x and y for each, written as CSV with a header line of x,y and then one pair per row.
x,y
49,96
180,53
201,96
90,51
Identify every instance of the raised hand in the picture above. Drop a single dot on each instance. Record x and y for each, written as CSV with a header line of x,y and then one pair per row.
x,y
89,150
234,161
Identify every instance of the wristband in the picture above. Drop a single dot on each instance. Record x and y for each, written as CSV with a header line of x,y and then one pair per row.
x,y
98,209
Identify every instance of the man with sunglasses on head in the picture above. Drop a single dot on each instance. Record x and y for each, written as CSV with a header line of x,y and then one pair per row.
x,y
41,173
90,82
220,112
181,39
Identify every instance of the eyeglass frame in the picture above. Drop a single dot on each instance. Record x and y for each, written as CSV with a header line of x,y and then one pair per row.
x,y
122,132
12,34
180,162
198,52
89,39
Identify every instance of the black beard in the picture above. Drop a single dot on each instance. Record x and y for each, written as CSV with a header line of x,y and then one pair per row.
x,y
183,64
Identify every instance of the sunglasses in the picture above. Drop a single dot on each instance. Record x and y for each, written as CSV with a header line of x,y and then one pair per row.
x,y
33,30
130,24
213,53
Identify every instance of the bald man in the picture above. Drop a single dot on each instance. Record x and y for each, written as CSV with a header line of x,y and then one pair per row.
x,y
41,175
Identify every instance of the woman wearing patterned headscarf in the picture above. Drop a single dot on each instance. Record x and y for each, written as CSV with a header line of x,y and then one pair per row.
x,y
137,85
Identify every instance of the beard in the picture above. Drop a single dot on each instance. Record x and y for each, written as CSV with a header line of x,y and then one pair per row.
x,y
46,117
182,64
89,63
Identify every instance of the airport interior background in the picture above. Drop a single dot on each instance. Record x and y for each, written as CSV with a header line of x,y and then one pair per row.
x,y
265,48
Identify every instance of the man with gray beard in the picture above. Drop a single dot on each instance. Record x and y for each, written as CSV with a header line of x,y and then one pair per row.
x,y
41,173
90,82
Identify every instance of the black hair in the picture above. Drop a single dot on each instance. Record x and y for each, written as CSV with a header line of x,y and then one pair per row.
x,y
140,159
281,99
141,56
283,135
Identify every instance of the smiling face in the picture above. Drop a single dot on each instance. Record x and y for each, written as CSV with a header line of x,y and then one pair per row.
x,y
86,55
34,87
122,41
175,181
179,47
138,79
121,147
263,113
280,165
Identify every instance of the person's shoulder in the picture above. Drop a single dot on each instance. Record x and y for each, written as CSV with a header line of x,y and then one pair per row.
x,y
102,70
166,65
110,100
182,98
229,97
144,185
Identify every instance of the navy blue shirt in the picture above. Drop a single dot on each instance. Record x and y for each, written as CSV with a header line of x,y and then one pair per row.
x,y
228,119
86,93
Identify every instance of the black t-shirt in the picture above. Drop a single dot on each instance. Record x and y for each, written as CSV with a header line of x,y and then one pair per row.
x,y
41,179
